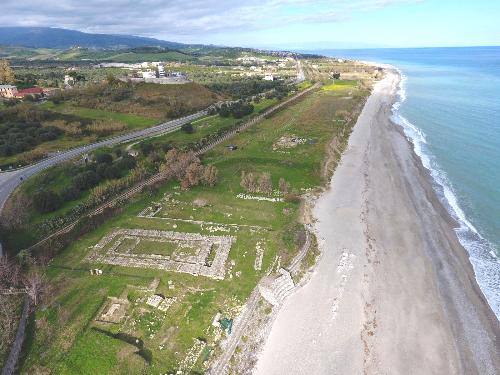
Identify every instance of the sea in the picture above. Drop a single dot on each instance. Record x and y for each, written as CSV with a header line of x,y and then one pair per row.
x,y
449,106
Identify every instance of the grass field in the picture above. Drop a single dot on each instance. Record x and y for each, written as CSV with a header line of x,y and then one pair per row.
x,y
340,85
132,122
66,341
205,126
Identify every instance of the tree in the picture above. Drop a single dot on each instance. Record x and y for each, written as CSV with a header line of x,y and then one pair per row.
x,y
154,157
103,157
194,173
10,273
16,211
112,172
33,282
284,186
7,75
86,180
210,175
146,148
248,182
265,183
127,162
111,80
70,193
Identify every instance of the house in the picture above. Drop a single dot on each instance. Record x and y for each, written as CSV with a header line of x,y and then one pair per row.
x,y
8,91
33,91
268,77
148,74
161,71
69,80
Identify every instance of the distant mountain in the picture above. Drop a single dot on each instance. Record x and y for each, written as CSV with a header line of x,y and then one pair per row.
x,y
47,37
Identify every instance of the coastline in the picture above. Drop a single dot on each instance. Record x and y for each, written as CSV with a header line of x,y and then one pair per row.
x,y
394,290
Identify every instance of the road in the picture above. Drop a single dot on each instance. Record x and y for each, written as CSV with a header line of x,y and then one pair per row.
x,y
9,181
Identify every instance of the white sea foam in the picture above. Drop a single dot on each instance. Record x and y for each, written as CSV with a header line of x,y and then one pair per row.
x,y
482,253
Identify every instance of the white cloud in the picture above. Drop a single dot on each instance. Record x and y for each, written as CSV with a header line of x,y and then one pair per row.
x,y
179,18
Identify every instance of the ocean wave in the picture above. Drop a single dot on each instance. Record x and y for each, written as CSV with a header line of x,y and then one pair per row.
x,y
482,254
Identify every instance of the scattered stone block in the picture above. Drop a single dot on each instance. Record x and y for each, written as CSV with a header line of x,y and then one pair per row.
x,y
276,289
113,311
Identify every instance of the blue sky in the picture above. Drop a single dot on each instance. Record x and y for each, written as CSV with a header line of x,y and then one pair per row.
x,y
274,23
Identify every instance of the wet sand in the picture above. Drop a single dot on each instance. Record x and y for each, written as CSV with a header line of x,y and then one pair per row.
x,y
394,291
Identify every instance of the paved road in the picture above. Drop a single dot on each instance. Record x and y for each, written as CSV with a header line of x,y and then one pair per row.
x,y
10,180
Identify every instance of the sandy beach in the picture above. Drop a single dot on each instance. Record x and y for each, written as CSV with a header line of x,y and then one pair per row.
x,y
393,291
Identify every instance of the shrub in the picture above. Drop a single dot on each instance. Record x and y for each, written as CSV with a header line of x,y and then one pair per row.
x,y
86,180
145,148
187,128
291,197
112,172
70,193
46,201
103,157
126,163
101,169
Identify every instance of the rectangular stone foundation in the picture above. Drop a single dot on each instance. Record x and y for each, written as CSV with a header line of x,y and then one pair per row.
x,y
202,262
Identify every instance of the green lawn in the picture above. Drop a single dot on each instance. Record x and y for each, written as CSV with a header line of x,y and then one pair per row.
x,y
340,85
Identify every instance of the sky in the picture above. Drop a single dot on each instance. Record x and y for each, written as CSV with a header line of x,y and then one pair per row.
x,y
310,24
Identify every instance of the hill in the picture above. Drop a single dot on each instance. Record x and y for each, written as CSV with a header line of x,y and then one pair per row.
x,y
47,37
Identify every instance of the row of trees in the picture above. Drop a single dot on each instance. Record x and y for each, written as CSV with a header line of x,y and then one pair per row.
x,y
262,183
104,167
237,109
188,170
19,137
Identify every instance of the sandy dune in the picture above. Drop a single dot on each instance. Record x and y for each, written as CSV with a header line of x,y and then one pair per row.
x,y
393,292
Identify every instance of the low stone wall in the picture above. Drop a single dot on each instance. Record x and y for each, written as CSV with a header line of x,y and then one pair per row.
x,y
197,264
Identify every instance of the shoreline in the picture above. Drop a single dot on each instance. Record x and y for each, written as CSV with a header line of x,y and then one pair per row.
x,y
393,291
480,252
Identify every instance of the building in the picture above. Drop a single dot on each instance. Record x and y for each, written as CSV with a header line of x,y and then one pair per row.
x,y
268,77
148,74
161,71
69,80
8,91
33,91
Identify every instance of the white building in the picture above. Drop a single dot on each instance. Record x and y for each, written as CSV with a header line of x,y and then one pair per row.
x,y
268,77
148,74
161,71
68,80
8,91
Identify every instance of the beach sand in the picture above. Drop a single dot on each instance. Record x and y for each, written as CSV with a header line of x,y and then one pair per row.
x,y
393,291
